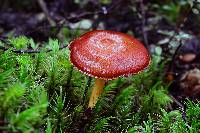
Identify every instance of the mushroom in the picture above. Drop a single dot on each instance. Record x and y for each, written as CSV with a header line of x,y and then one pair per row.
x,y
107,55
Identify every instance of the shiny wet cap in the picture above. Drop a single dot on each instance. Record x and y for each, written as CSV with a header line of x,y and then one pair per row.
x,y
108,54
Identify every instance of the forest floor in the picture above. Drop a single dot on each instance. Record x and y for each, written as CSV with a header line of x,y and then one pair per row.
x,y
169,30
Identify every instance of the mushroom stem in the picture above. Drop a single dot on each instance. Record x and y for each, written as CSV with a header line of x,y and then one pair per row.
x,y
96,92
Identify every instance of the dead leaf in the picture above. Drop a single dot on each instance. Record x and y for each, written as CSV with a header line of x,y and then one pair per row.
x,y
190,83
187,57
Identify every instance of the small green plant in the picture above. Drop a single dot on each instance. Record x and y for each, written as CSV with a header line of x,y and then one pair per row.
x,y
42,92
192,115
20,42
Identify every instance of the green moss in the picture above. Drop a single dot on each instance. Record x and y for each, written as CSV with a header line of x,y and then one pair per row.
x,y
44,94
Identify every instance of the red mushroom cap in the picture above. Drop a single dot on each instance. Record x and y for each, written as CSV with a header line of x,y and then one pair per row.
x,y
108,54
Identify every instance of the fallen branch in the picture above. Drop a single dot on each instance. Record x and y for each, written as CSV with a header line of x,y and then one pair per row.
x,y
27,51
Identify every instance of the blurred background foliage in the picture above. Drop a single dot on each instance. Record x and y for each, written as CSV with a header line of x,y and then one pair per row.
x,y
40,91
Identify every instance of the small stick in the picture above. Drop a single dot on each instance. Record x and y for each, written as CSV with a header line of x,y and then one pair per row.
x,y
46,12
145,36
183,111
174,57
27,51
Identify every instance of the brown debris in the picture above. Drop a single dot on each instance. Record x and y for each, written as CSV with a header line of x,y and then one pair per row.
x,y
189,57
190,83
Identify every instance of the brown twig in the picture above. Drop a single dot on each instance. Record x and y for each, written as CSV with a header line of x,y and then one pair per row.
x,y
27,51
50,19
46,12
103,11
58,26
174,57
179,24
176,101
82,15
183,111
144,32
